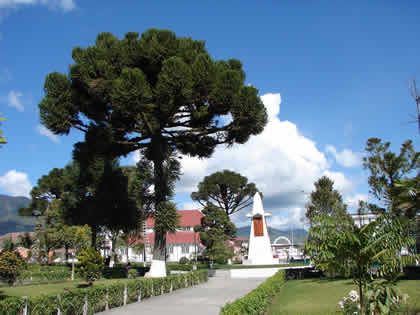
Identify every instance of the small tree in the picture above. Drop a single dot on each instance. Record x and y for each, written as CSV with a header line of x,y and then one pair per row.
x,y
227,190
386,170
90,264
215,230
11,265
26,240
353,251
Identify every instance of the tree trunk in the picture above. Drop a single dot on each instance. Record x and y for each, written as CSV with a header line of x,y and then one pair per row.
x,y
94,230
66,252
159,151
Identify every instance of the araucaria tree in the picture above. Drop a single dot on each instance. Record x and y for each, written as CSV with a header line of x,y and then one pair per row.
x,y
387,170
227,190
159,93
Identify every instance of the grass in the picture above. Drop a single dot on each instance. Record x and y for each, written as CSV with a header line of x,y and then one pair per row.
x,y
317,296
52,288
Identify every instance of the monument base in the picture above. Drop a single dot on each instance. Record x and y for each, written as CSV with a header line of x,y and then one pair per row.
x,y
157,269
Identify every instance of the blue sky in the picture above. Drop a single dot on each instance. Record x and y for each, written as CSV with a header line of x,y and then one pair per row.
x,y
333,73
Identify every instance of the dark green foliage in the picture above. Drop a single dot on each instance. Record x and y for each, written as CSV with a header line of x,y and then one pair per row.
x,y
11,266
133,289
12,306
215,230
72,302
227,190
90,264
184,260
386,169
325,200
98,296
160,93
257,301
352,251
178,267
43,305
115,294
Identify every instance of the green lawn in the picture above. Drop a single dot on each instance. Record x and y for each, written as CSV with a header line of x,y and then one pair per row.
x,y
322,296
39,289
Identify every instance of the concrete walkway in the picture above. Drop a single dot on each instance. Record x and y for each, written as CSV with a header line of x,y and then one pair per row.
x,y
204,299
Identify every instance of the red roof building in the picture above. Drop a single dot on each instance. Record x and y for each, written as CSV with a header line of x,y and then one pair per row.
x,y
183,243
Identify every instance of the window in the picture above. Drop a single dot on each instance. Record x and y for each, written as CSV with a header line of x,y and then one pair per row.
x,y
258,226
185,248
169,249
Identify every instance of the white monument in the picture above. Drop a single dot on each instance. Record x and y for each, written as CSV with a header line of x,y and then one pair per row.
x,y
259,250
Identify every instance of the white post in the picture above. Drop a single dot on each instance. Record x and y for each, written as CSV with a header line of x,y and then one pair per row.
x,y
58,308
125,294
85,306
139,297
25,307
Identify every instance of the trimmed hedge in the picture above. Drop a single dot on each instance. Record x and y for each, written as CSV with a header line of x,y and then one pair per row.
x,y
257,301
98,298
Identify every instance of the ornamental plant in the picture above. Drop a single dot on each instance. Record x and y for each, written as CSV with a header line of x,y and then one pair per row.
x,y
11,266
90,264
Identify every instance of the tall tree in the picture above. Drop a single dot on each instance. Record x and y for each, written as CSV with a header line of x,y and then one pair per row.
x,y
158,92
227,190
386,169
325,200
2,139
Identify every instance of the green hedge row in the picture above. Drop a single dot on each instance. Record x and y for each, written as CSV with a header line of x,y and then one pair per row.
x,y
257,301
100,297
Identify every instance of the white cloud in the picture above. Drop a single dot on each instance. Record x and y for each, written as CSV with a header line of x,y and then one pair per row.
x,y
14,100
65,5
346,158
15,183
353,201
280,161
45,132
190,206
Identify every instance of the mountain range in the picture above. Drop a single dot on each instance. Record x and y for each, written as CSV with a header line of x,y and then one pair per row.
x,y
10,221
299,235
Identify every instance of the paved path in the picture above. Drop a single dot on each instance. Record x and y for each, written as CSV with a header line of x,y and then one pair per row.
x,y
204,299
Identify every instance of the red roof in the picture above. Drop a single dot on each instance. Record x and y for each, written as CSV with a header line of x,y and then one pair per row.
x,y
176,238
188,218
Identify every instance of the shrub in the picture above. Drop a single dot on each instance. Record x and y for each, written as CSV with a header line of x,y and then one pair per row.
x,y
184,261
11,266
90,264
114,272
257,301
12,305
132,274
178,267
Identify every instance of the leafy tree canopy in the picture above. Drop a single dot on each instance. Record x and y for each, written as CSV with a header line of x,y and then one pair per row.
x,y
386,169
227,190
325,200
215,227
352,251
160,93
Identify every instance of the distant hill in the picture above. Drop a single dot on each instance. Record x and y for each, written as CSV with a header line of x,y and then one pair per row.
x,y
299,235
10,221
